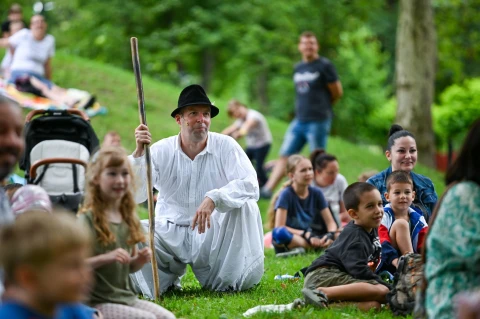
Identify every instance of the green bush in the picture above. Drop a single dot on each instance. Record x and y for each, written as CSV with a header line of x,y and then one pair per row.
x,y
459,107
361,67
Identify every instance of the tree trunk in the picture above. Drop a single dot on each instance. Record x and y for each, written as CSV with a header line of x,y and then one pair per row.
x,y
208,64
262,91
416,55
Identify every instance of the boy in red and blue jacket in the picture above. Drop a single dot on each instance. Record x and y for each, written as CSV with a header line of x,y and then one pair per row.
x,y
402,230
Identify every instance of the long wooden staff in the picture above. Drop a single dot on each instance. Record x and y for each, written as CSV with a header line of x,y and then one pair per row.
x,y
143,120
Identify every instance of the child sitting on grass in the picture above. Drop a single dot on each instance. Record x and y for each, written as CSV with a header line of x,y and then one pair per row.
x,y
43,256
301,216
109,213
402,230
344,272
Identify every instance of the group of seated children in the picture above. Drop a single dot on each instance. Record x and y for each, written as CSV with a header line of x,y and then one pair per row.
x,y
47,272
370,244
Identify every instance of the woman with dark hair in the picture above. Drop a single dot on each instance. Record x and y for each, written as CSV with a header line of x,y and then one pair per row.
x,y
331,182
401,152
453,242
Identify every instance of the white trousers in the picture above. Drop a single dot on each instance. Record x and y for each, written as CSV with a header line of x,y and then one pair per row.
x,y
228,256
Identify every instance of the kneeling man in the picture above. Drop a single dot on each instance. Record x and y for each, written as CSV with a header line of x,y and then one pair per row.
x,y
206,214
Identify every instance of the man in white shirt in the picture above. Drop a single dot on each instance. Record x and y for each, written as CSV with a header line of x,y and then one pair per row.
x,y
206,214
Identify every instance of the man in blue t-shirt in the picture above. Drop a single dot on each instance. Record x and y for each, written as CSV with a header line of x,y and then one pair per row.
x,y
317,88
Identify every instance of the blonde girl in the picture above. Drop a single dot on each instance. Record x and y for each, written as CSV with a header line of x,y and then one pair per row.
x,y
109,212
299,214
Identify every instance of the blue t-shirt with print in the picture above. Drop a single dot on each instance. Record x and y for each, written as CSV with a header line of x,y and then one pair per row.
x,y
313,101
301,212
15,310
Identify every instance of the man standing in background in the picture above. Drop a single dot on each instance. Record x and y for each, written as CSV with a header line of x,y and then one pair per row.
x,y
317,88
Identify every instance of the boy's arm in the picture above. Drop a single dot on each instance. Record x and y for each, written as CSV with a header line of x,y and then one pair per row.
x,y
355,262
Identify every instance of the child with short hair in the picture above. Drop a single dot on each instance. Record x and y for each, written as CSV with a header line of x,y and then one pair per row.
x,y
344,272
301,217
403,229
109,213
43,256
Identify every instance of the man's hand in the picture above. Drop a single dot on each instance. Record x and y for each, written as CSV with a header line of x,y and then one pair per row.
x,y
142,137
202,215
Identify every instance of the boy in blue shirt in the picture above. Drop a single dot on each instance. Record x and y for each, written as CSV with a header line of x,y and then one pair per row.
x,y
43,256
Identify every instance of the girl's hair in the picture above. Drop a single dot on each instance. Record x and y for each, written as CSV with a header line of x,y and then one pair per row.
x,y
320,159
95,203
396,131
292,162
233,105
467,164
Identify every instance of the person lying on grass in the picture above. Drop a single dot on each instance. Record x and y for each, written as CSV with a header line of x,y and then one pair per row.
x,y
300,215
344,273
402,230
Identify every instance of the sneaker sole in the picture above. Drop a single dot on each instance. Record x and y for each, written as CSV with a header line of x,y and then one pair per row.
x,y
290,253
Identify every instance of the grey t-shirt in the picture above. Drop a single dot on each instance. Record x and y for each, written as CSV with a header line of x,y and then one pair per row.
x,y
259,135
313,99
334,194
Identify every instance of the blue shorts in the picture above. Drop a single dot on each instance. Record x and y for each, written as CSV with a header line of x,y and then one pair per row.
x,y
299,133
19,73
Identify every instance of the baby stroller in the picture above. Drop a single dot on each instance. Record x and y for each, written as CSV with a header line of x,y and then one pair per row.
x,y
57,150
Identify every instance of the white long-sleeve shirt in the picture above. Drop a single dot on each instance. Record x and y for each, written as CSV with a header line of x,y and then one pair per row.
x,y
222,172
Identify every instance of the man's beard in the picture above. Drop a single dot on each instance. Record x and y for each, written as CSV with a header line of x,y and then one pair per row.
x,y
6,167
5,170
200,135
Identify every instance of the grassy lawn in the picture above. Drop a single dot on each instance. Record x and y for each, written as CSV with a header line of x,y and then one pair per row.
x,y
115,89
193,302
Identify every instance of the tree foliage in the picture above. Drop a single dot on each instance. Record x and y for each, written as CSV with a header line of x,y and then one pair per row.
x,y
247,49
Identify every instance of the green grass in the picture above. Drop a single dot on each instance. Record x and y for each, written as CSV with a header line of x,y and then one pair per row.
x,y
116,89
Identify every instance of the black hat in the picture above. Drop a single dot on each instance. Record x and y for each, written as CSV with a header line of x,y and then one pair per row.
x,y
195,95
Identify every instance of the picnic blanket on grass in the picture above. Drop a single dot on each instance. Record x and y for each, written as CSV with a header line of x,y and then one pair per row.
x,y
31,101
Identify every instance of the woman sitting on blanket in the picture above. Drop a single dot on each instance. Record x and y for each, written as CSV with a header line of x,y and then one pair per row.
x,y
32,50
300,213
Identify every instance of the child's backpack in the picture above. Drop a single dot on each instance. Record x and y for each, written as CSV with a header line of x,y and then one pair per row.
x,y
407,280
